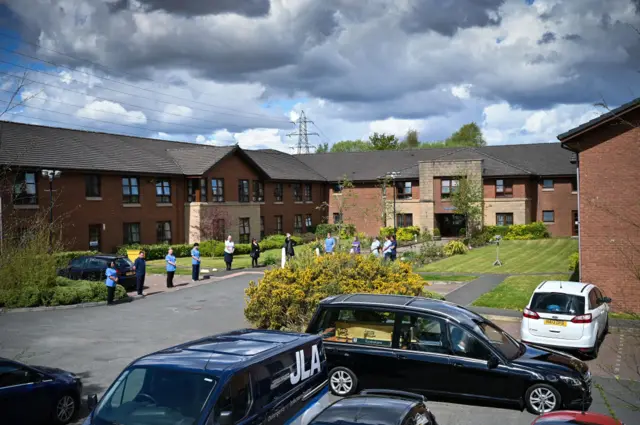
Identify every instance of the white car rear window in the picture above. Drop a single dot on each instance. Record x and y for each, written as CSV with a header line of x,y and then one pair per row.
x,y
557,303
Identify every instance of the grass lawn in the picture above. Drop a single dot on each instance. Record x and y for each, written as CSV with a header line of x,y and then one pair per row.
x,y
538,256
448,278
514,292
184,264
625,316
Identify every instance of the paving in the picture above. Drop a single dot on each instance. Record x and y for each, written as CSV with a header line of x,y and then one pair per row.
x,y
470,292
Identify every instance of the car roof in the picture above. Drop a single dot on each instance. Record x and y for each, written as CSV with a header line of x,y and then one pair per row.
x,y
365,410
575,418
419,304
565,287
218,353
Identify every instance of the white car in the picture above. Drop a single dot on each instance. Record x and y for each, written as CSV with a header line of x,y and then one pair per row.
x,y
569,315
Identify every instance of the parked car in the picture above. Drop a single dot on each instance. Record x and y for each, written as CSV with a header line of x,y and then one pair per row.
x,y
382,407
436,347
37,394
575,418
566,315
93,267
248,376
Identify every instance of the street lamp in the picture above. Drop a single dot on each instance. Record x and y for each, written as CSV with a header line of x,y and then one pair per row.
x,y
393,176
51,174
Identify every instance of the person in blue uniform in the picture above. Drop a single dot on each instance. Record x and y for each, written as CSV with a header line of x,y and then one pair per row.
x,y
111,282
195,262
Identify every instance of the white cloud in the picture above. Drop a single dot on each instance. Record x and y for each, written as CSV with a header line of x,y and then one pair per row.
x,y
110,111
462,91
66,77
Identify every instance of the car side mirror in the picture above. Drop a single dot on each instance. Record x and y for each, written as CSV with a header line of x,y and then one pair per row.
x,y
92,401
493,362
606,300
225,418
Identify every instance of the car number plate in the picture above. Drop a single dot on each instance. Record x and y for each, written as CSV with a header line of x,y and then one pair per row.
x,y
130,273
556,323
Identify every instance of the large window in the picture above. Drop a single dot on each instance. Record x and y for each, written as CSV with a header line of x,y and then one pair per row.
x,y
163,232
297,192
245,230
192,190
404,220
337,218
277,192
297,223
465,344
574,185
307,192
547,184
548,216
131,233
236,399
404,190
130,190
217,190
308,222
557,303
243,190
163,191
203,190
278,224
448,186
261,227
24,189
504,219
423,333
92,186
355,326
504,188
258,191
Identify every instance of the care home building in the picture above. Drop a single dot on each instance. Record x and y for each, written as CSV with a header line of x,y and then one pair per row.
x,y
116,189
608,158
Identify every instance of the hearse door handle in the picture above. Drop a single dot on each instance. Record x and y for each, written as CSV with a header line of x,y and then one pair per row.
x,y
401,356
458,364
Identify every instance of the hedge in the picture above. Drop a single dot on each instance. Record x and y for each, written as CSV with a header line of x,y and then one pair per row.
x,y
66,292
537,230
63,258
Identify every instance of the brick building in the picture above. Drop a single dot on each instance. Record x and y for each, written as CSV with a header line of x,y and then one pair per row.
x,y
608,150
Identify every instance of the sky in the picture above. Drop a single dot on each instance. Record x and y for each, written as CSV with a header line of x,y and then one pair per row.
x,y
239,71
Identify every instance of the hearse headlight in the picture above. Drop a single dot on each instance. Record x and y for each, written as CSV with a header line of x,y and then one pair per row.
x,y
571,381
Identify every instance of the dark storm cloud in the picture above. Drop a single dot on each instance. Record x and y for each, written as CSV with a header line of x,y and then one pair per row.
x,y
250,8
547,38
448,17
572,37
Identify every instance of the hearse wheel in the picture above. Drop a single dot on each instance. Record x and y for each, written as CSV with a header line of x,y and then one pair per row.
x,y
342,381
542,398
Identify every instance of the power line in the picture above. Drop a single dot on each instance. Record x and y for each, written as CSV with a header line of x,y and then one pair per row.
x,y
303,134
111,70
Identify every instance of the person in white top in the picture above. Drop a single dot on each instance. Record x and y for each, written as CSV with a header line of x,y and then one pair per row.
x,y
229,247
375,246
386,248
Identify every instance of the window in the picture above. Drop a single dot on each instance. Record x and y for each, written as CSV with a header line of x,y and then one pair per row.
x,y
547,184
548,216
163,191
163,231
243,190
78,263
203,190
245,230
235,398
278,224
464,344
92,186
258,191
307,192
404,190
498,338
24,189
574,184
404,220
277,192
337,218
94,236
131,232
192,190
261,227
271,379
130,190
297,223
297,192
423,333
576,223
504,219
12,374
308,222
504,188
557,303
354,326
217,190
593,300
448,186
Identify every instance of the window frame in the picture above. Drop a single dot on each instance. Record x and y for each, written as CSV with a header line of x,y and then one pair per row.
x,y
337,218
451,184
163,185
127,233
92,186
203,190
226,392
308,221
544,184
278,192
25,198
404,194
258,191
217,190
553,216
307,193
279,224
401,220
130,198
296,189
244,223
444,329
244,190
481,341
505,219
504,188
192,190
161,232
297,223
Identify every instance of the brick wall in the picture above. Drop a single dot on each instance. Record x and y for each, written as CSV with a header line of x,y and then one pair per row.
x,y
561,200
288,209
362,206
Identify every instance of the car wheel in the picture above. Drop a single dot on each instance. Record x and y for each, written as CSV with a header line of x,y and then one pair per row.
x,y
542,398
342,381
65,409
593,353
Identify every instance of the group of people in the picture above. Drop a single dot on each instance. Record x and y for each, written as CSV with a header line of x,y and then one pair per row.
x,y
388,250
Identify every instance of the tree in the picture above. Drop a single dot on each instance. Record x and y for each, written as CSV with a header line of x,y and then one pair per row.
x,y
383,142
467,200
411,140
322,148
467,135
351,146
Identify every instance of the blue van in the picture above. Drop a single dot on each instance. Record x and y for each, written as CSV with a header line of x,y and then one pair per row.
x,y
242,377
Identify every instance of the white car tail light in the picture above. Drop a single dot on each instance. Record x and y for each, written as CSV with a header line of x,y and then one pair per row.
x,y
585,318
530,314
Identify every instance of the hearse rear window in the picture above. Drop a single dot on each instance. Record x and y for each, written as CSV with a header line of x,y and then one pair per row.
x,y
557,303
357,326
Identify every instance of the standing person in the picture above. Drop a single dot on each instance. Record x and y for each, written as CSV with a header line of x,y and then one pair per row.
x,y
112,280
329,244
394,247
386,248
255,252
229,248
355,246
140,267
375,246
288,246
195,262
170,259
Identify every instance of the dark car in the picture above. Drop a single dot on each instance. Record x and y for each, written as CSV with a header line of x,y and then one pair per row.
x,y
439,348
377,407
37,394
93,267
575,418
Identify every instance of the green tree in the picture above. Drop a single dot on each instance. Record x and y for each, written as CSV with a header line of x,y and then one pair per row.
x,y
467,135
467,200
351,146
411,140
322,148
383,142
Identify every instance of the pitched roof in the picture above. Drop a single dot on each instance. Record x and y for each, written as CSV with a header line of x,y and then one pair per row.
x,y
197,160
601,119
281,166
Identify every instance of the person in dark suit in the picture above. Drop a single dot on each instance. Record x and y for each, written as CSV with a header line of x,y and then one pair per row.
x,y
289,244
255,252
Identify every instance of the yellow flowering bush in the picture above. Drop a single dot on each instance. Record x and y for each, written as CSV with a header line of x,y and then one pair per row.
x,y
287,298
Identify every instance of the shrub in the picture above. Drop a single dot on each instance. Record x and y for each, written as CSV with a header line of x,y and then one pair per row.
x,y
158,251
436,232
64,257
536,230
574,261
407,233
455,248
324,228
386,231
306,237
270,259
493,231
287,298
480,239
347,230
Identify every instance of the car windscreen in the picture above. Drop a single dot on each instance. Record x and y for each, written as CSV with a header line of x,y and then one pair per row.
x,y
557,303
155,396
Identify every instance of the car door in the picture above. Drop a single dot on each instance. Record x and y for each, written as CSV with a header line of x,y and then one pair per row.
x,y
23,395
471,374
76,267
423,353
95,269
596,313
